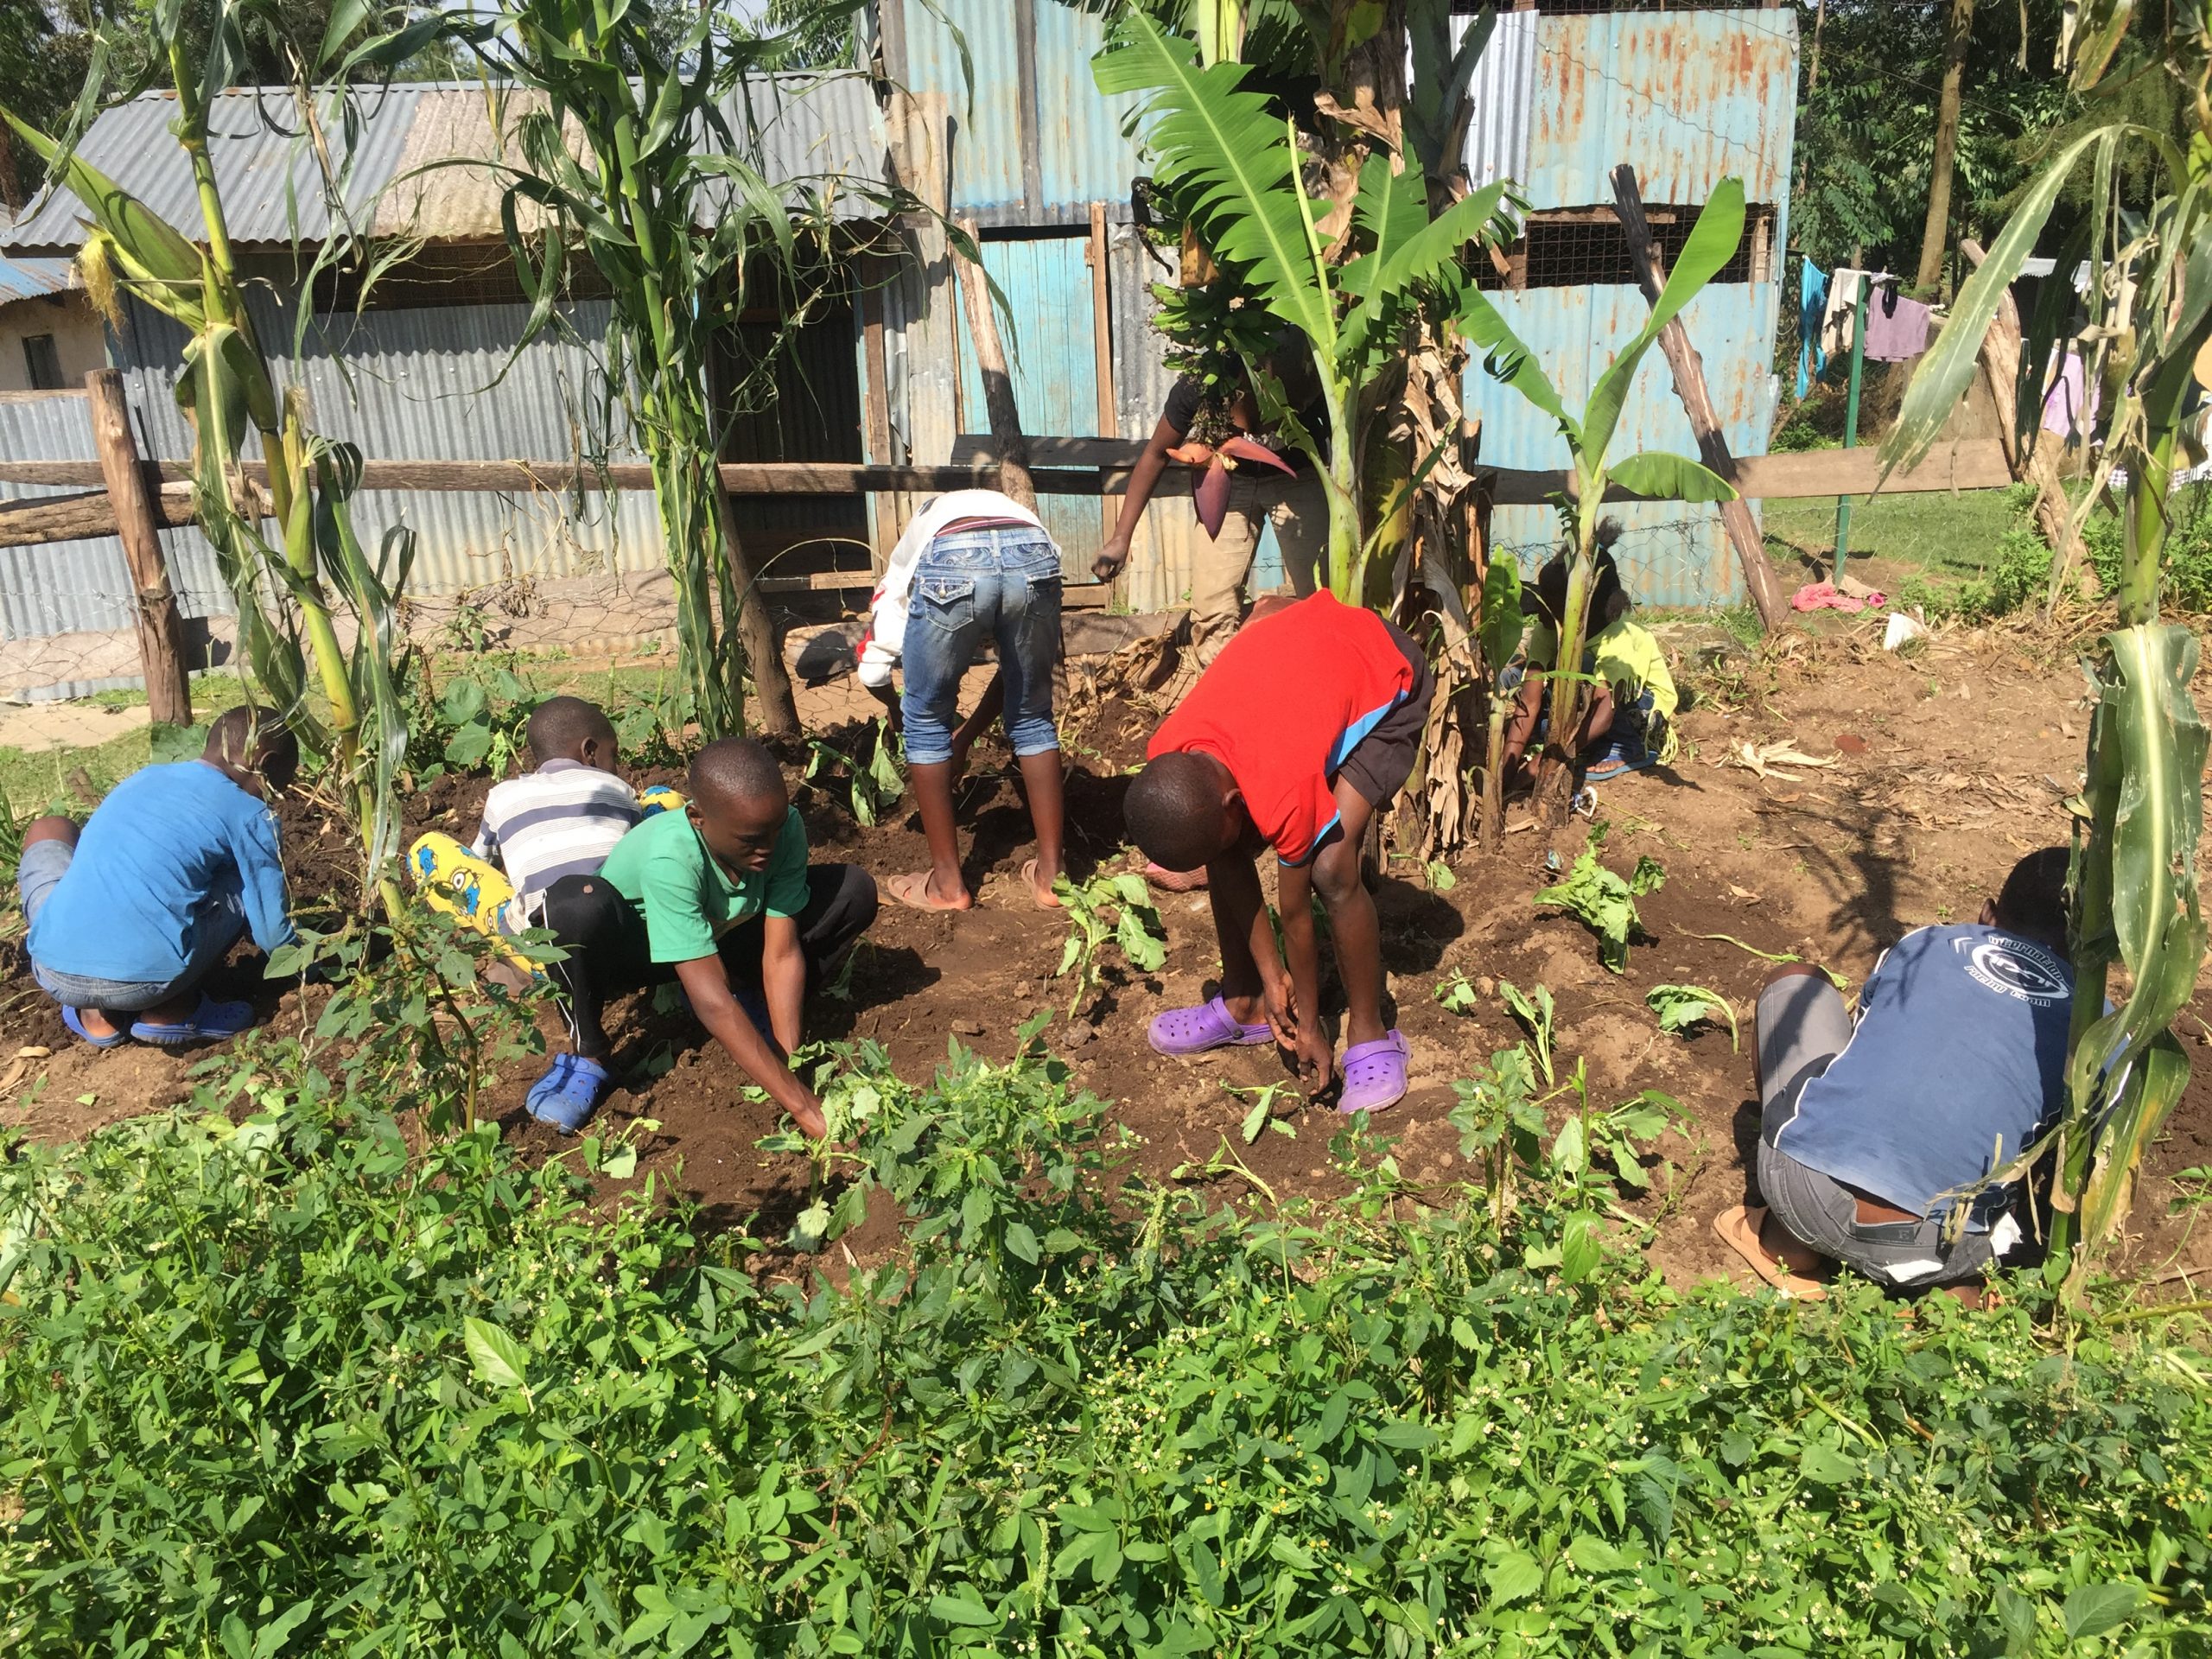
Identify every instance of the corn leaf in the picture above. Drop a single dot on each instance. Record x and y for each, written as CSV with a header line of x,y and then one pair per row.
x,y
1950,367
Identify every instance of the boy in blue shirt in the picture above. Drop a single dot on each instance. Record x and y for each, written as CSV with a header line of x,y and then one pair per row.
x,y
131,914
1873,1137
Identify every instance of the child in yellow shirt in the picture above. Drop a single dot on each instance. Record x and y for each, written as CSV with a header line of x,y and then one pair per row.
x,y
1630,721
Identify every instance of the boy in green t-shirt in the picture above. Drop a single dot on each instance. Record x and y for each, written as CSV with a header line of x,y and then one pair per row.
x,y
720,899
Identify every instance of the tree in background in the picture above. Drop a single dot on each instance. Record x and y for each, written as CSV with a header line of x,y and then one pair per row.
x,y
2148,345
1872,76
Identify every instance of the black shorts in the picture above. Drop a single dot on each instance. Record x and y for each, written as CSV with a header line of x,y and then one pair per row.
x,y
1380,763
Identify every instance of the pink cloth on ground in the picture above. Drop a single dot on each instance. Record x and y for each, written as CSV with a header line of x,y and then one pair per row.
x,y
1825,597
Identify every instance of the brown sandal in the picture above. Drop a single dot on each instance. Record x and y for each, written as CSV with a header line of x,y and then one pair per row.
x,y
1737,1227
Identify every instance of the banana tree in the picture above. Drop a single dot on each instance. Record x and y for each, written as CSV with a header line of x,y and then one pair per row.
x,y
2140,813
281,587
1653,474
1236,165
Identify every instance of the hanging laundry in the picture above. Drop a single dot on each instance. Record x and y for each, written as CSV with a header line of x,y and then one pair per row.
x,y
1812,304
1836,322
1896,329
2063,415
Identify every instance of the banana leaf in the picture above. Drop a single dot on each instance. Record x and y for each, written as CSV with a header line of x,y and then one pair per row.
x,y
1502,621
1713,243
1234,154
1660,476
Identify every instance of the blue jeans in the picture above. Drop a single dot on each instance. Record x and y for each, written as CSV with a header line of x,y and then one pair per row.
x,y
1000,583
219,925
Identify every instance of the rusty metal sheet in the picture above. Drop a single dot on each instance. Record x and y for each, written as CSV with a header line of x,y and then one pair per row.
x,y
1689,97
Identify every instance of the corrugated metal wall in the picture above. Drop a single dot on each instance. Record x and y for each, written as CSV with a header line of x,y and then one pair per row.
x,y
1081,154
81,587
1052,352
1690,98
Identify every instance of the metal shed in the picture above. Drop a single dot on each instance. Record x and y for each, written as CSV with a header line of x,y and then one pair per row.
x,y
1689,97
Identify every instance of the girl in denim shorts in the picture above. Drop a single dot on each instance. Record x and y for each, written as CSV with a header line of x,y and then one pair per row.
x,y
973,565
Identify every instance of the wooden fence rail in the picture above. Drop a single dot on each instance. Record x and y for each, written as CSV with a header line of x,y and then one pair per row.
x,y
1059,467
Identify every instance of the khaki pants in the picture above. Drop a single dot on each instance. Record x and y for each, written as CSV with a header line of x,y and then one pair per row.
x,y
1299,512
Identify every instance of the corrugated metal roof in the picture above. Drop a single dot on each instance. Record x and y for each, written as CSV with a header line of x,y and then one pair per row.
x,y
424,158
1503,96
30,279
1690,98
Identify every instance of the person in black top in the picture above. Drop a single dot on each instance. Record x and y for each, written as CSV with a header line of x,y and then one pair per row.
x,y
1294,503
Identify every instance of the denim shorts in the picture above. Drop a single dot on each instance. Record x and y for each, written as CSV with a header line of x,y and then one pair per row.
x,y
220,924
1002,585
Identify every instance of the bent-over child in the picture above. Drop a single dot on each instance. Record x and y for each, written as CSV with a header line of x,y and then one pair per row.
x,y
720,899
972,565
130,914
1303,728
1874,1136
563,818
1628,722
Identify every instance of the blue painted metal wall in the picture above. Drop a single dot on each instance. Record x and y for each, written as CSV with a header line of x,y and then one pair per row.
x,y
1053,353
1689,98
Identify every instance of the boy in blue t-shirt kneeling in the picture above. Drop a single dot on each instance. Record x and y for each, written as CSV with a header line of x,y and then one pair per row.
x,y
1872,1136
130,914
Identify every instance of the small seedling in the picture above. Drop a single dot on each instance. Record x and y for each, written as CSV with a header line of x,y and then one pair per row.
x,y
873,787
1261,1117
1680,1007
1603,902
1458,995
1116,908
1535,1011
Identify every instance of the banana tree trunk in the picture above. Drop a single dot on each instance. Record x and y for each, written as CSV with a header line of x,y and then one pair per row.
x,y
1570,696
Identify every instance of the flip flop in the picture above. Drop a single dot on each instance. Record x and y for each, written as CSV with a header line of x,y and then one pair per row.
x,y
1029,880
1737,1227
566,1095
1169,880
908,890
1180,1033
75,1022
211,1022
1375,1074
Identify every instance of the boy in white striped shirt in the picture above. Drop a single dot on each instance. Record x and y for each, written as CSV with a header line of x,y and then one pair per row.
x,y
561,819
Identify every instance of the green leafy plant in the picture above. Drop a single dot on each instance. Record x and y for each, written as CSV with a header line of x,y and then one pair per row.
x,y
1457,995
1113,909
1682,1007
1501,1125
1260,1115
1534,1012
868,788
331,1389
1498,630
473,724
1604,902
2149,300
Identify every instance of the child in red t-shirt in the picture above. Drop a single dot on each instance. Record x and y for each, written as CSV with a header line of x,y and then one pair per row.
x,y
1304,725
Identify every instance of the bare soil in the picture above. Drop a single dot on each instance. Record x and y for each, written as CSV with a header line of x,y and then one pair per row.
x,y
1948,764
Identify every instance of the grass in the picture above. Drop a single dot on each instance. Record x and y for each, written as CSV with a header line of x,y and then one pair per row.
x,y
1941,537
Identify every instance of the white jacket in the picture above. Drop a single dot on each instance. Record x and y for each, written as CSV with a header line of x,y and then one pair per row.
x,y
886,630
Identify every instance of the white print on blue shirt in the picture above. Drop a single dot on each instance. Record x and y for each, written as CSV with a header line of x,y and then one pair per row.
x,y
2014,968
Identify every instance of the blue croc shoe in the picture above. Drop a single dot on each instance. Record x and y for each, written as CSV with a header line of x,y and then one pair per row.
x,y
211,1022
565,1096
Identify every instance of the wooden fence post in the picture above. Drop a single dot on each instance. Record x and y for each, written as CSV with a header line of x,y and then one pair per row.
x,y
1697,401
161,630
998,382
